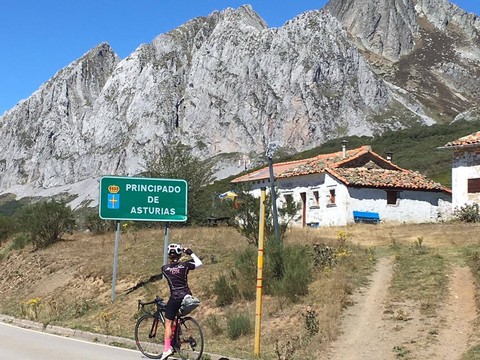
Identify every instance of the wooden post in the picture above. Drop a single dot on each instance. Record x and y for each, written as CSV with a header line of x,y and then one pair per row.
x,y
261,240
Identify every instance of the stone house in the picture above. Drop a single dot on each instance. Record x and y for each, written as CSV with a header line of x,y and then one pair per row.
x,y
465,169
330,187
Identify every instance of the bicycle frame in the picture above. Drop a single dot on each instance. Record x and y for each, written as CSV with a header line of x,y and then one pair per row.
x,y
153,330
182,343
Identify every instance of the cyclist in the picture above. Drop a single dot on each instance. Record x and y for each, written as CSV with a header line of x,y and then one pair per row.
x,y
176,273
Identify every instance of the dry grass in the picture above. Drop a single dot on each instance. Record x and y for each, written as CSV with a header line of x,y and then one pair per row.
x,y
73,280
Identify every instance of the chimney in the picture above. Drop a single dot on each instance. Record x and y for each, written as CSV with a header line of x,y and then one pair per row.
x,y
344,148
389,155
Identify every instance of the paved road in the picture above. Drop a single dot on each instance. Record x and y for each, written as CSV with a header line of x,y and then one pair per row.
x,y
23,344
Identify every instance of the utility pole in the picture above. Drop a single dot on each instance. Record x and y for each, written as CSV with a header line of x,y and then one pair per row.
x,y
272,146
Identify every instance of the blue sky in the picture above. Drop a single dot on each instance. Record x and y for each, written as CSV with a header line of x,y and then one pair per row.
x,y
39,37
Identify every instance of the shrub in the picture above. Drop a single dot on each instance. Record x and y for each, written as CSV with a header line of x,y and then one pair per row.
x,y
7,227
312,324
274,260
288,270
245,273
213,324
287,349
297,272
46,222
19,242
238,325
469,213
324,256
224,290
8,208
30,309
98,226
105,319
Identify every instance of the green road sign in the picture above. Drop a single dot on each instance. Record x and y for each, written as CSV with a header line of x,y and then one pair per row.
x,y
142,199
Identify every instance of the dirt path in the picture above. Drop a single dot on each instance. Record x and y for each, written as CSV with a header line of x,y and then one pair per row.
x,y
458,317
363,329
375,330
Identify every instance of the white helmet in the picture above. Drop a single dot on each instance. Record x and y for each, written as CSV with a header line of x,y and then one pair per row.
x,y
175,249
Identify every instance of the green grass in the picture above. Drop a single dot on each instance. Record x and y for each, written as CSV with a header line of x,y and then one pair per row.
x,y
421,275
472,354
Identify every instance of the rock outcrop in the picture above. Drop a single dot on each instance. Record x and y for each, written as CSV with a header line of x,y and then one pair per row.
x,y
228,84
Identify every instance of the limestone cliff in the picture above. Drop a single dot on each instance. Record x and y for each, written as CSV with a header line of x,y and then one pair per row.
x,y
228,84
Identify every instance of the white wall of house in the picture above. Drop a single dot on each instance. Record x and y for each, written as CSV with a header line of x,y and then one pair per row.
x,y
410,207
314,192
466,165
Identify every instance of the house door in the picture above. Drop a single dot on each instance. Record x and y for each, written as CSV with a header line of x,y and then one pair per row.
x,y
304,208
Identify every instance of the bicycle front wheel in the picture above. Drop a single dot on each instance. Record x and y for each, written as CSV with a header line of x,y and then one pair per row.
x,y
150,336
189,339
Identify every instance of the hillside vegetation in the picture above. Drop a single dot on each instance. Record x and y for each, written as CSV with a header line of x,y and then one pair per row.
x,y
415,148
69,283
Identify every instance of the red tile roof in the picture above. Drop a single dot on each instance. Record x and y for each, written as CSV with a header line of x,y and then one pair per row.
x,y
361,167
385,178
301,167
472,139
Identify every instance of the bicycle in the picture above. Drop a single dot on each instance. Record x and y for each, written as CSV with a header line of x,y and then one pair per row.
x,y
187,339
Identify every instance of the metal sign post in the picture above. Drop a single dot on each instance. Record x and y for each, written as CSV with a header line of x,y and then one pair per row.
x,y
115,260
141,199
271,149
165,244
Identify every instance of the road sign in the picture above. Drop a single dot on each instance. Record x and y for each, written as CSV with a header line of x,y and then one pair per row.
x,y
142,199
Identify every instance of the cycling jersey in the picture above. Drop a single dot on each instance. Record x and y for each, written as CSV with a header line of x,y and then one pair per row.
x,y
176,275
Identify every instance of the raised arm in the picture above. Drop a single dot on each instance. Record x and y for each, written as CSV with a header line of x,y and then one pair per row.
x,y
196,260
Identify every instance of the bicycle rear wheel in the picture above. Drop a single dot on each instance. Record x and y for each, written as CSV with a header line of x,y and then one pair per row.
x,y
150,336
189,339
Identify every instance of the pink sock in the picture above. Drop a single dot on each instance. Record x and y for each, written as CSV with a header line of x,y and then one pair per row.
x,y
168,344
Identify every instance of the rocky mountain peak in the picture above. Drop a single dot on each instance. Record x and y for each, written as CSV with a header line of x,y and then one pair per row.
x,y
430,48
391,28
243,15
41,132
227,85
385,27
442,13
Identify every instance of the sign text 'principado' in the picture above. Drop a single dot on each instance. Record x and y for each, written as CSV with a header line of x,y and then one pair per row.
x,y
143,199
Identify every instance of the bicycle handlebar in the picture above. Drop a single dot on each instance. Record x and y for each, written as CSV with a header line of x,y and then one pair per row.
x,y
158,300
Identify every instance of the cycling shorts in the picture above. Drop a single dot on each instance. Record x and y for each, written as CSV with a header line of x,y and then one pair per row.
x,y
171,310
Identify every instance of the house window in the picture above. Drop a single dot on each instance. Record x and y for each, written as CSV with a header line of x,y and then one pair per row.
x,y
331,197
474,185
315,198
392,197
288,198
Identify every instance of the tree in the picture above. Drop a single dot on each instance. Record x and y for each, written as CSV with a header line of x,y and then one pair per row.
x,y
288,212
46,221
247,216
177,161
